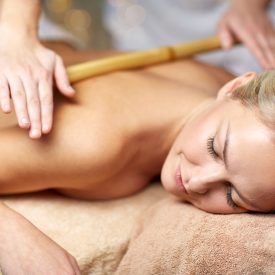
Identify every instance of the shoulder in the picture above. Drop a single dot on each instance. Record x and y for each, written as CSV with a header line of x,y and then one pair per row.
x,y
93,132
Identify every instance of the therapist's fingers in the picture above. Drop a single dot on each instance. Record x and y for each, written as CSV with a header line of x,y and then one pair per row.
x,y
5,95
246,34
255,42
61,78
46,104
257,35
245,31
33,103
263,35
267,42
19,100
225,34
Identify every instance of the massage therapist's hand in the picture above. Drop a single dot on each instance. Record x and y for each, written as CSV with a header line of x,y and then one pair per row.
x,y
247,20
27,73
26,250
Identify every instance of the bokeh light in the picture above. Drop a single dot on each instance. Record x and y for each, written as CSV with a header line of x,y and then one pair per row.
x,y
134,15
77,19
59,6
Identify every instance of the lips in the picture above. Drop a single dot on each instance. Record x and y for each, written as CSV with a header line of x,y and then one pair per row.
x,y
179,181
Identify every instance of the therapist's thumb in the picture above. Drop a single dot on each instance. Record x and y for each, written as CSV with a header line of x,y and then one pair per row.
x,y
225,35
61,78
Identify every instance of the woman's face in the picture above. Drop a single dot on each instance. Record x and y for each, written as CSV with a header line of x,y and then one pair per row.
x,y
223,161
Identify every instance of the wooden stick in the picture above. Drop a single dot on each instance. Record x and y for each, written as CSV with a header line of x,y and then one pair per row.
x,y
140,59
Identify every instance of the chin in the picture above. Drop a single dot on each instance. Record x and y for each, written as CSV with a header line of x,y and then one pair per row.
x,y
169,187
166,175
163,181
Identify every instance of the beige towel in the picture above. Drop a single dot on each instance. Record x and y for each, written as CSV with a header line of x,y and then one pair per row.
x,y
96,233
176,238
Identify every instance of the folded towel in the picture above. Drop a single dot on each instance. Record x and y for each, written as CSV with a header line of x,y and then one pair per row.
x,y
176,238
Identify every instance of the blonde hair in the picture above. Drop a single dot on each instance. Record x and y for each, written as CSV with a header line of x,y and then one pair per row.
x,y
259,93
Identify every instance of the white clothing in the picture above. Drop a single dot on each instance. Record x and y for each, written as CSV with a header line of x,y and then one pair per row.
x,y
143,24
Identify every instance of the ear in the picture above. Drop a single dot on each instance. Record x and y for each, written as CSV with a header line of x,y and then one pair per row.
x,y
229,87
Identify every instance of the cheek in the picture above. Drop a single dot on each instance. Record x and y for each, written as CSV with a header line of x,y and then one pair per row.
x,y
214,201
192,140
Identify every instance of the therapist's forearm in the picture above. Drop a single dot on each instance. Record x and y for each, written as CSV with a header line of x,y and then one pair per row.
x,y
262,4
21,15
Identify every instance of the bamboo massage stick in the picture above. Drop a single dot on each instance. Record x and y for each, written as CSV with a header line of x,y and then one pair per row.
x,y
140,59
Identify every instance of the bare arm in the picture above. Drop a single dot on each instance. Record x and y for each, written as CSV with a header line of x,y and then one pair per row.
x,y
26,250
21,16
27,68
247,20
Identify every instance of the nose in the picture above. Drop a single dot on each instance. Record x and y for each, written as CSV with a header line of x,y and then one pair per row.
x,y
202,181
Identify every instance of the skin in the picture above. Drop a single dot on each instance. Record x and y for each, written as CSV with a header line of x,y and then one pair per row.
x,y
124,125
208,177
115,119
257,35
29,70
26,250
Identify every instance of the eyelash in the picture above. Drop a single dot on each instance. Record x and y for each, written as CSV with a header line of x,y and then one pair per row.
x,y
210,147
211,151
229,197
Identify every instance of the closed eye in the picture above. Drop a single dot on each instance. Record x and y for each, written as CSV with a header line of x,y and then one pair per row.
x,y
210,147
229,198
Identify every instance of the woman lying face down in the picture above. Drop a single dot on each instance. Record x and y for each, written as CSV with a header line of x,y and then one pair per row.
x,y
123,129
223,159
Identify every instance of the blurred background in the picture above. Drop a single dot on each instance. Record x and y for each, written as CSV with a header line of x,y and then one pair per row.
x,y
134,24
92,21
141,24
82,18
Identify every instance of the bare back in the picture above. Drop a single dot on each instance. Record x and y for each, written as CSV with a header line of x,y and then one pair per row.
x,y
94,150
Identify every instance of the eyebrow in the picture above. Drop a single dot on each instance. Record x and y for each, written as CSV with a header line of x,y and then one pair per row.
x,y
225,147
225,158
